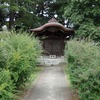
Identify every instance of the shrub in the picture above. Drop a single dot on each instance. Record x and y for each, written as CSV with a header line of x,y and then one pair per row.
x,y
84,68
4,34
22,52
6,85
18,58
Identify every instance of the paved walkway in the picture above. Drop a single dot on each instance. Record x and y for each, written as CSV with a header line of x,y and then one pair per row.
x,y
51,85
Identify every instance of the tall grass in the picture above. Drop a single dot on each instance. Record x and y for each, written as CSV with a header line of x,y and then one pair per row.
x,y
3,34
18,58
84,68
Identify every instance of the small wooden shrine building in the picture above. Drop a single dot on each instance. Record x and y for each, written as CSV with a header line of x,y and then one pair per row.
x,y
53,36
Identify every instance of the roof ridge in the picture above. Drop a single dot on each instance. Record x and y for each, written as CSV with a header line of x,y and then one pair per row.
x,y
52,20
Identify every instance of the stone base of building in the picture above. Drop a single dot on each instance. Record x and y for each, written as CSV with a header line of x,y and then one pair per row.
x,y
51,60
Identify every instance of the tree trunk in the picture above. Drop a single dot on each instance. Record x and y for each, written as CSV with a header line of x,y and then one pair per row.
x,y
11,20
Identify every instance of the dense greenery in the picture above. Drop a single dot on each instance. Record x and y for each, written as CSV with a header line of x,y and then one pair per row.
x,y
15,8
29,13
84,68
84,14
18,53
18,58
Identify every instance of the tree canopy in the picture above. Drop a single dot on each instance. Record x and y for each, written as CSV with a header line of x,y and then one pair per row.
x,y
31,13
83,14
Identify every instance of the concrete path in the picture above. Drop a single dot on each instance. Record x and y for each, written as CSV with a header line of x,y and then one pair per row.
x,y
51,85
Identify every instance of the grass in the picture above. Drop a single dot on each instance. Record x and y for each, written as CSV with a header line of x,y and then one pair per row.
x,y
23,89
3,34
67,77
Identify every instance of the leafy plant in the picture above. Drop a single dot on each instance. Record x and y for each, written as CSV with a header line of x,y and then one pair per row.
x,y
84,14
18,59
84,68
6,85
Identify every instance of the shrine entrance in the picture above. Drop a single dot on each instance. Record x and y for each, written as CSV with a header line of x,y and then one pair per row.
x,y
53,46
53,37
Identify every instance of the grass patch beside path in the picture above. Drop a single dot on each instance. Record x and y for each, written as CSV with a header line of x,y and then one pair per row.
x,y
23,89
67,77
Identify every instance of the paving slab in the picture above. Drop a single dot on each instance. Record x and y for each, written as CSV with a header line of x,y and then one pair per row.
x,y
50,85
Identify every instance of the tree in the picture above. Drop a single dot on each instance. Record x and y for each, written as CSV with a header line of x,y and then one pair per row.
x,y
85,15
46,9
15,6
3,15
33,13
1,18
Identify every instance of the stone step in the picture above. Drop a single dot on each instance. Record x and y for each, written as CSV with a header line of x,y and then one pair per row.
x,y
51,61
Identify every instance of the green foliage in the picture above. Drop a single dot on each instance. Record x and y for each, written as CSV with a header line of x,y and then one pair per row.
x,y
84,14
89,30
6,85
31,13
13,7
18,58
84,68
3,35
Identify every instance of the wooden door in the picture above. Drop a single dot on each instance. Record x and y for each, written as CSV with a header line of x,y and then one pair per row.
x,y
53,47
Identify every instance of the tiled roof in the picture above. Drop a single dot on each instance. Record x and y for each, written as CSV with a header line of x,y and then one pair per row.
x,y
52,23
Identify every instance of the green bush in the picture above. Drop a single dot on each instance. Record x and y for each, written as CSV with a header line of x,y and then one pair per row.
x,y
84,68
6,85
4,34
18,58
